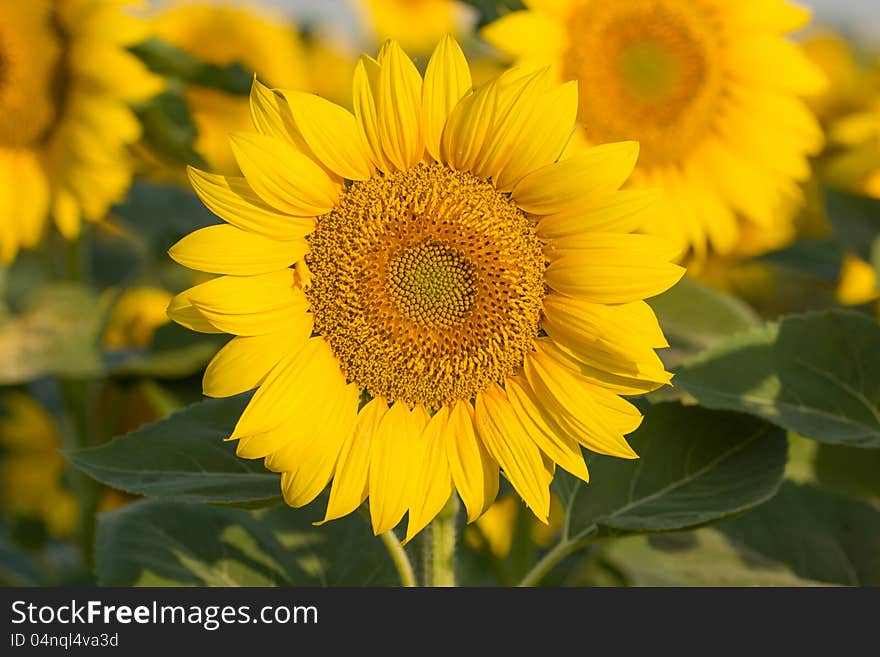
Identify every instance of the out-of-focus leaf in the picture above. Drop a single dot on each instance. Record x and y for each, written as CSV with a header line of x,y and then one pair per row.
x,y
490,10
818,535
696,466
171,62
162,214
694,317
168,128
849,470
700,558
174,352
821,259
854,219
816,374
55,333
184,458
153,543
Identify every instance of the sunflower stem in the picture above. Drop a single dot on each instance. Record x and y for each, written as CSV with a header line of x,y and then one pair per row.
x,y
439,546
400,558
552,559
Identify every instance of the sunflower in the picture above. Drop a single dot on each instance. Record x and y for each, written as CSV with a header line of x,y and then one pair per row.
x,y
32,467
65,79
709,88
134,316
260,41
462,299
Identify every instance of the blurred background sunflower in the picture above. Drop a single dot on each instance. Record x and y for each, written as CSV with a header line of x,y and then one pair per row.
x,y
65,123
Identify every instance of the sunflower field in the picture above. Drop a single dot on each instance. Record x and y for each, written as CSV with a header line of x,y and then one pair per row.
x,y
382,293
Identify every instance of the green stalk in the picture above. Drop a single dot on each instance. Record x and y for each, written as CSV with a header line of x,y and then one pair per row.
x,y
400,559
439,546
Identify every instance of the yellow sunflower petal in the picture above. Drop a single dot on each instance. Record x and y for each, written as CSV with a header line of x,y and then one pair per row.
x,y
331,133
530,126
319,457
181,310
515,451
618,212
350,480
233,200
538,425
282,176
397,444
302,374
266,114
366,78
433,483
225,249
572,403
398,100
447,80
468,126
249,305
473,471
244,361
563,186
612,268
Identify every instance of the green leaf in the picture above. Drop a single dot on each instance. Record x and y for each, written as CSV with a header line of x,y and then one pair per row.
x,y
174,352
168,128
54,333
820,259
165,59
161,214
184,458
491,10
849,470
854,219
155,543
694,317
700,558
816,374
819,535
696,466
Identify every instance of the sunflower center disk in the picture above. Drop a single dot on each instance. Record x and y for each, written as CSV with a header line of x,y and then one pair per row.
x,y
648,70
427,284
29,53
432,283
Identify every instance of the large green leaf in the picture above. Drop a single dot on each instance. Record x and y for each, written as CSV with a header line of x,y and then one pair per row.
x,y
816,374
704,557
696,466
849,470
183,458
155,543
694,317
819,535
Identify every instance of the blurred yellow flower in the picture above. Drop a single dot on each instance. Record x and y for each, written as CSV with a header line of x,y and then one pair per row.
x,y
834,56
495,528
856,165
65,125
32,468
858,282
135,316
711,89
416,24
258,40
444,248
